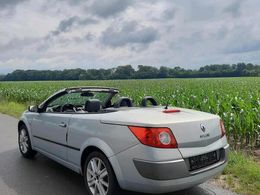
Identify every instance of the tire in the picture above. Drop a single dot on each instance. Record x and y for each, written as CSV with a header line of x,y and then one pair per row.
x,y
24,143
99,176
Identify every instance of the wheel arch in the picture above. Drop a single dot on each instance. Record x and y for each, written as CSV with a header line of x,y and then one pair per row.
x,y
20,124
96,144
88,150
23,121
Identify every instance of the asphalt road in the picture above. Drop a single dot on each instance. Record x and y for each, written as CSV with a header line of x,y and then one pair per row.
x,y
42,176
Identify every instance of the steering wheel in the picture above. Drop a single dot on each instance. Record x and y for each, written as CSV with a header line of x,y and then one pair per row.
x,y
68,107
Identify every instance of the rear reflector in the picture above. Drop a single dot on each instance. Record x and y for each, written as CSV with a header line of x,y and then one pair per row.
x,y
155,137
171,111
222,127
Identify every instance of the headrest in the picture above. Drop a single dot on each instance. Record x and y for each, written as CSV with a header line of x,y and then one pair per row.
x,y
148,98
92,105
123,102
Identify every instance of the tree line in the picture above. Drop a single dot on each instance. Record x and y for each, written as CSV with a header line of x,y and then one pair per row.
x,y
128,72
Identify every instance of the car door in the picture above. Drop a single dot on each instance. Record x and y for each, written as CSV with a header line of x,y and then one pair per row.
x,y
49,132
50,126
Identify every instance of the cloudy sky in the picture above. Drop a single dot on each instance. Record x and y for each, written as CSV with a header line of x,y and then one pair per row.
x,y
59,34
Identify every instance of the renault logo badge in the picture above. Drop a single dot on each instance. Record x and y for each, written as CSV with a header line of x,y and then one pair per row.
x,y
203,128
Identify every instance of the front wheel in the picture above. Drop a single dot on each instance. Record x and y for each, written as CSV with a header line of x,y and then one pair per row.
x,y
99,176
24,142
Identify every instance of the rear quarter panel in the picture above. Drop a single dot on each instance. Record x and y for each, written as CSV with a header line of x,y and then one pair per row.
x,y
86,130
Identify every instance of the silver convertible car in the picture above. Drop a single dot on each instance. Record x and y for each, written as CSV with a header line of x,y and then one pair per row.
x,y
113,144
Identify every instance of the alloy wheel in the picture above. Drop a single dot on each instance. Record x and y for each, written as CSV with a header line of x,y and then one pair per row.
x,y
23,141
97,177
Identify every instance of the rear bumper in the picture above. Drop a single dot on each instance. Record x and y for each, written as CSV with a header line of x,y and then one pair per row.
x,y
166,186
176,169
153,176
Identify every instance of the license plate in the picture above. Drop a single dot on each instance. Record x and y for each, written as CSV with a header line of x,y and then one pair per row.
x,y
203,160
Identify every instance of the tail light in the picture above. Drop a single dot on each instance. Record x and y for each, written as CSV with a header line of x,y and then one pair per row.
x,y
222,127
155,137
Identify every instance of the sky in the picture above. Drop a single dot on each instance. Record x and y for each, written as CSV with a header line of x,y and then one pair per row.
x,y
63,34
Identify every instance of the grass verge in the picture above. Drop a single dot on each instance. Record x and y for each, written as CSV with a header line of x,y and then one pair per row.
x,y
242,174
12,108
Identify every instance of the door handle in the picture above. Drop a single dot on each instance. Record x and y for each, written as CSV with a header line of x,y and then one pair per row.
x,y
63,125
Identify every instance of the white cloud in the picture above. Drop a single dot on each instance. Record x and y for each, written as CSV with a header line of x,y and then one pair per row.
x,y
37,34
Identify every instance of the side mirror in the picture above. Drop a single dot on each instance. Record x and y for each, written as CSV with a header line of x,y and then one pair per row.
x,y
33,108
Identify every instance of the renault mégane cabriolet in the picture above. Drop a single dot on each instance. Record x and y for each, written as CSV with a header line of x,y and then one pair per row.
x,y
145,148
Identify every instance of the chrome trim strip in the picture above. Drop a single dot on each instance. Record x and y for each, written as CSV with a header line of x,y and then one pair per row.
x,y
200,143
226,147
160,162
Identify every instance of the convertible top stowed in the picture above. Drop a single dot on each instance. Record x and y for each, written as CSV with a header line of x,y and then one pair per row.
x,y
144,147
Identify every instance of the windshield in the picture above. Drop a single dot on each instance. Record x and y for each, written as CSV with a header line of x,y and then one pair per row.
x,y
80,98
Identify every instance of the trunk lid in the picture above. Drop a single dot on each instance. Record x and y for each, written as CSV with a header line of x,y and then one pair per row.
x,y
199,133
191,128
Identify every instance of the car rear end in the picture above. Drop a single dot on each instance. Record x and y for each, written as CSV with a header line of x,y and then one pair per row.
x,y
175,155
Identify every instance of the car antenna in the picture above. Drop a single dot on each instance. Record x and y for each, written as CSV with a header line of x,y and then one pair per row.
x,y
166,107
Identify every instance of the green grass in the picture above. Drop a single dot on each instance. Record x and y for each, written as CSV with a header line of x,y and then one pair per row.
x,y
12,108
242,174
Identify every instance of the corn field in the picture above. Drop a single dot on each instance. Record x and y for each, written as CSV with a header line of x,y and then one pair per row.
x,y
236,100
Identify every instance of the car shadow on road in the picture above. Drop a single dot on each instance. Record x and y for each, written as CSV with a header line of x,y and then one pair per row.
x,y
43,176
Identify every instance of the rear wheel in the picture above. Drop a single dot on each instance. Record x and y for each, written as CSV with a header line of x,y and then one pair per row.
x,y
24,142
99,176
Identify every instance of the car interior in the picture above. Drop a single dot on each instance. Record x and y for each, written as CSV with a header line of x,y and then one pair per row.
x,y
94,102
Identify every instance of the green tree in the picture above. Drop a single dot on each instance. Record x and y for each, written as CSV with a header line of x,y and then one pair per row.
x,y
124,72
146,72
